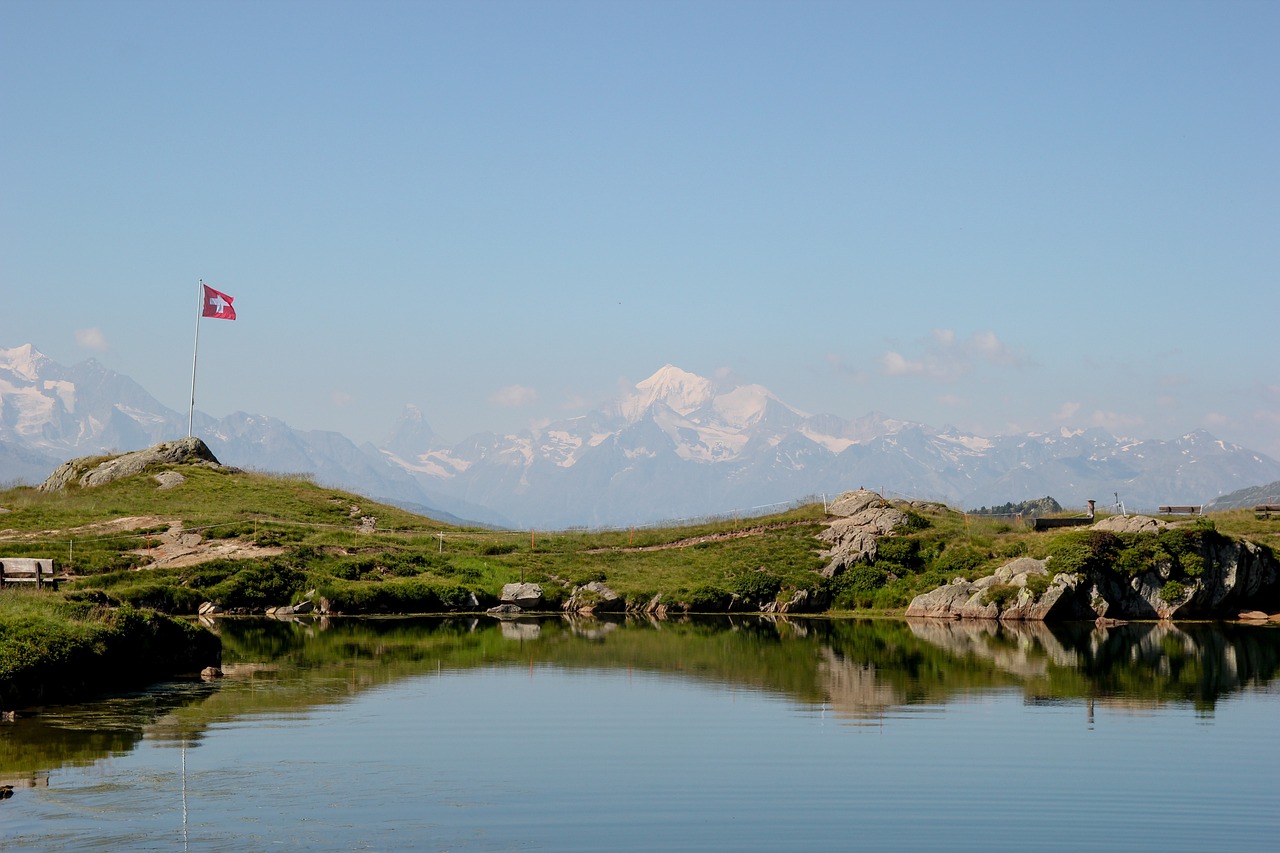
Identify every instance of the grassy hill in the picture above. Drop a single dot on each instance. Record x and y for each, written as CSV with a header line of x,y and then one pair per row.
x,y
250,541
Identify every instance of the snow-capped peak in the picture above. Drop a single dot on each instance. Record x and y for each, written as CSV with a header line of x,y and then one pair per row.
x,y
744,405
24,361
680,390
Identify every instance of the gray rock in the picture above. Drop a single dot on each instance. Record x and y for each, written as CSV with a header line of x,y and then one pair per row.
x,y
1234,576
90,471
513,630
594,597
1131,524
852,537
944,602
169,479
852,503
526,596
1017,571
805,601
500,609
208,608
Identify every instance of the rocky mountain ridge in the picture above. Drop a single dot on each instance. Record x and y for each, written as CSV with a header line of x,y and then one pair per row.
x,y
678,446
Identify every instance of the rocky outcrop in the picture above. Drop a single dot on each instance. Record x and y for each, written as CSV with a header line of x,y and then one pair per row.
x,y
1230,576
801,601
594,597
1009,593
1131,524
862,518
90,471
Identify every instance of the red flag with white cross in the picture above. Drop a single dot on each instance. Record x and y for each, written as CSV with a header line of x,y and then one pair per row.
x,y
217,304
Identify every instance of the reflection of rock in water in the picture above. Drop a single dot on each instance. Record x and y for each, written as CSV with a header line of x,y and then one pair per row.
x,y
1131,666
1024,649
853,688
590,629
37,779
519,630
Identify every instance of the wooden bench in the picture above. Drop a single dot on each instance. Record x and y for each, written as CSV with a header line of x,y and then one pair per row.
x,y
1179,510
28,570
1265,510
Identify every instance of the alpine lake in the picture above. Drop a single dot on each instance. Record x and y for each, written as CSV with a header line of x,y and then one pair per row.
x,y
729,733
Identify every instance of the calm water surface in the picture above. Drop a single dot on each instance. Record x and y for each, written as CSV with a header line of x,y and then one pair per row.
x,y
431,734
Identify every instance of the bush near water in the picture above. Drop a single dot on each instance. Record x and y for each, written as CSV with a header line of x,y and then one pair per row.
x,y
61,648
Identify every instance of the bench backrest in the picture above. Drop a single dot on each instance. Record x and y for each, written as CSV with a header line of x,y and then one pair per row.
x,y
25,567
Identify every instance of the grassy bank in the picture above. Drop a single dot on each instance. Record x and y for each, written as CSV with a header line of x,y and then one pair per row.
x,y
251,541
55,648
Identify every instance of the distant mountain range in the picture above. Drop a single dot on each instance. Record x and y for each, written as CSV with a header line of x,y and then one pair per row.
x,y
678,446
1247,498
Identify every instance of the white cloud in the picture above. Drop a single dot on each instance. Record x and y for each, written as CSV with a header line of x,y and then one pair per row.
x,y
895,364
1114,421
341,399
952,400
513,396
92,338
1217,420
1067,412
947,357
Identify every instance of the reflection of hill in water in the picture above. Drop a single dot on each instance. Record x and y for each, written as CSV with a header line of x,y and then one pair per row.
x,y
1132,664
859,670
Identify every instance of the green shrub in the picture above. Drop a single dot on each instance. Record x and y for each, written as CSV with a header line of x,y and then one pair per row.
x,y
259,585
856,586
496,549
900,551
1192,565
960,560
1038,584
409,595
1012,550
759,585
916,521
166,598
1133,561
1172,592
706,598
1083,551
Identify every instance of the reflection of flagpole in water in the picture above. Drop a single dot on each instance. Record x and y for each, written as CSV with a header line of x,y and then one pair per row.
x,y
184,793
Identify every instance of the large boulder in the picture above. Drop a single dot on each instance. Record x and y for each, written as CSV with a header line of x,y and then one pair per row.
x,y
1131,524
1007,594
90,471
852,538
960,598
526,596
594,597
852,503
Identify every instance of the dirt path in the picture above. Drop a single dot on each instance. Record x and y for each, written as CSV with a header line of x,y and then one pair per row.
x,y
176,546
698,540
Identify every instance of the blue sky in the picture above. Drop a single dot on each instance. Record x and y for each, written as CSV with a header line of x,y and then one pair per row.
x,y
1000,216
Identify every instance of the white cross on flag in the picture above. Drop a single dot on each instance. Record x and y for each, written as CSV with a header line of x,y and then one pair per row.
x,y
217,305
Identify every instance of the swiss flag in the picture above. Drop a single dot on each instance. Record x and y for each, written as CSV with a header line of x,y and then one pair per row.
x,y
217,305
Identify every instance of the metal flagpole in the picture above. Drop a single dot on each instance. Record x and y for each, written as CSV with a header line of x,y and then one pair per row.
x,y
195,352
